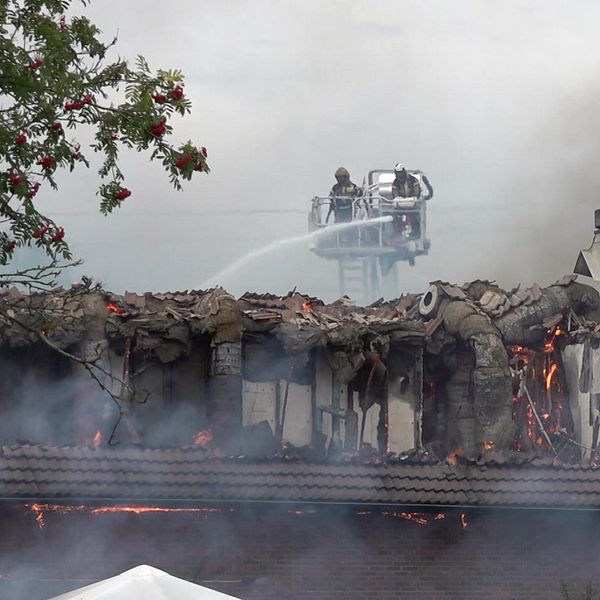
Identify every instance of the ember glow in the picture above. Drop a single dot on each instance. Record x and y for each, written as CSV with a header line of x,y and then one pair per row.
x,y
41,510
301,513
550,375
549,345
307,307
540,394
114,309
97,441
204,438
417,517
142,510
454,456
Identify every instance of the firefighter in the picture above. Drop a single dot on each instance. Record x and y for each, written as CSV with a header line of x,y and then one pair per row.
x,y
405,185
342,195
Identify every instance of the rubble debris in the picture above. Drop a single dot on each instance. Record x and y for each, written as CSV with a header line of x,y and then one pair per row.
x,y
481,372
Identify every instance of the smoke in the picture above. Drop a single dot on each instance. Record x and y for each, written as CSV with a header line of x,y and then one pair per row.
x,y
282,244
266,551
494,101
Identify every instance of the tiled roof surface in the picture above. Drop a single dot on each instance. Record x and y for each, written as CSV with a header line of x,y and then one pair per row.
x,y
31,472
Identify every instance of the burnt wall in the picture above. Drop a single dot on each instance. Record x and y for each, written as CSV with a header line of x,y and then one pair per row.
x,y
271,552
47,399
36,397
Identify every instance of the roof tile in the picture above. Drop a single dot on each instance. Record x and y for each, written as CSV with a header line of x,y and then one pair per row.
x,y
35,472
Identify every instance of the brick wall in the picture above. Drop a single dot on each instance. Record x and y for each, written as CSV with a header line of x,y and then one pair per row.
x,y
268,552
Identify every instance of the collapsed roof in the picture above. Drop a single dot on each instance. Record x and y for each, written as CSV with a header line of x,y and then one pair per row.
x,y
469,354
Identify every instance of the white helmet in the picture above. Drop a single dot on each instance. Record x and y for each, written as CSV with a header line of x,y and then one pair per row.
x,y
399,167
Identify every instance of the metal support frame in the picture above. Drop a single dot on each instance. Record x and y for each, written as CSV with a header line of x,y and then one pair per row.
x,y
360,278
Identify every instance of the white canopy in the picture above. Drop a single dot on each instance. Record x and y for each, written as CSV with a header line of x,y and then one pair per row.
x,y
144,583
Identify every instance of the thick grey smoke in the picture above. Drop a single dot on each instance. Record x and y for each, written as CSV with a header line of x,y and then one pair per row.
x,y
494,101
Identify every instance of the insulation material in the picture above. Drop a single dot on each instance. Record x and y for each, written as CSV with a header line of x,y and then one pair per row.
x,y
371,425
297,425
259,403
401,423
581,410
595,370
404,395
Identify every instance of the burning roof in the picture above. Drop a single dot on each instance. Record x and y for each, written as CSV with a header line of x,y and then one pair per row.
x,y
67,316
456,373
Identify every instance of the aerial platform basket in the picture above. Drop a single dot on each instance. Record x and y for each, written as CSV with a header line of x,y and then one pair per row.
x,y
374,248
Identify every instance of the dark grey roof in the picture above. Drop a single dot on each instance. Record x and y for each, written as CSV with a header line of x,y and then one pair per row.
x,y
33,472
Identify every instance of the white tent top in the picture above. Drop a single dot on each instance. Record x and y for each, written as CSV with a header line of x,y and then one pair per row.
x,y
144,583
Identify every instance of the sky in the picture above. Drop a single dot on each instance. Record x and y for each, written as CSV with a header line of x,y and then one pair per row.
x,y
495,101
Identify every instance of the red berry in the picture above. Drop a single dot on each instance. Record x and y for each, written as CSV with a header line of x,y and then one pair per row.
x,y
36,64
75,105
34,190
122,194
204,152
62,23
159,128
15,180
177,92
159,98
114,137
88,99
20,139
58,235
199,167
40,232
9,247
57,127
46,162
185,160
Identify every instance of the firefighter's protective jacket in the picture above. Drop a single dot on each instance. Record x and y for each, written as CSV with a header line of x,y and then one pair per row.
x,y
342,196
408,188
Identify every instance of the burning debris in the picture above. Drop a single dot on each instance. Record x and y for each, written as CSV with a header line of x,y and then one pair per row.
x,y
41,510
203,438
455,373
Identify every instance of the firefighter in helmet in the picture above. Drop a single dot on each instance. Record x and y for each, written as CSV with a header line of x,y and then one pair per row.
x,y
342,195
405,185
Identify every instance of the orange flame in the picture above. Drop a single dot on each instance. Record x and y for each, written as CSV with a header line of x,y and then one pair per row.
x,y
420,518
549,345
113,308
307,307
488,445
41,510
204,438
141,510
550,375
454,456
97,441
417,517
